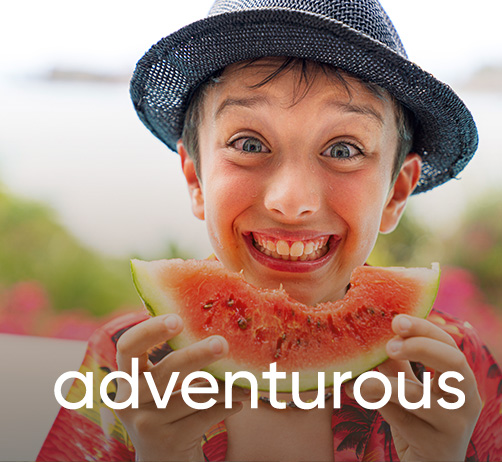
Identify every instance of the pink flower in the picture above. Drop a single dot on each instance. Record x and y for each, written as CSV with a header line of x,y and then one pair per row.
x,y
27,297
25,309
458,295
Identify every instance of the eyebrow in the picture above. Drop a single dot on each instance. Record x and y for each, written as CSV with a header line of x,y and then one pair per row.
x,y
263,100
241,102
358,109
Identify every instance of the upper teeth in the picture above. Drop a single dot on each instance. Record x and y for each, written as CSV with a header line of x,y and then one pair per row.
x,y
291,248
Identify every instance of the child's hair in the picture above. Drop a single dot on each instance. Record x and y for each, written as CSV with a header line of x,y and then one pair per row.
x,y
306,71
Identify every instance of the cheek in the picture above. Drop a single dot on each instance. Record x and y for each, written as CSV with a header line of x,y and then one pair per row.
x,y
226,198
227,189
359,200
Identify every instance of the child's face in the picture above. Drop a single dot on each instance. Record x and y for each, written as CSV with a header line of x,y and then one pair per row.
x,y
284,176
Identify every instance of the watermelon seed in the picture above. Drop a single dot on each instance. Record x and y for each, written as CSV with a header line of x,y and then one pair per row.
x,y
243,324
382,313
298,341
230,302
371,311
309,319
283,336
318,323
207,306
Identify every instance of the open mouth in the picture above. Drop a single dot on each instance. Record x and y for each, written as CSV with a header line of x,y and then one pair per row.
x,y
292,253
291,250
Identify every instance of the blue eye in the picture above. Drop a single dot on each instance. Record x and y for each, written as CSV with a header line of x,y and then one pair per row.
x,y
250,145
341,151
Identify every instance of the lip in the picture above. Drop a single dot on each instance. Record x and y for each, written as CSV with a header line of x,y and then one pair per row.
x,y
287,265
288,235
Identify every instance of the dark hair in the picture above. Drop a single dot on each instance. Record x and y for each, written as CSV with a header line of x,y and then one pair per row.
x,y
405,119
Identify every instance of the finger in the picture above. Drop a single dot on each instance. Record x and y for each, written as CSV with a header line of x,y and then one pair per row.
x,y
391,367
410,426
410,326
136,341
430,352
189,359
385,389
410,431
237,393
414,399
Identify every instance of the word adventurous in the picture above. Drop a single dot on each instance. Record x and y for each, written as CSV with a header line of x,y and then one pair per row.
x,y
272,375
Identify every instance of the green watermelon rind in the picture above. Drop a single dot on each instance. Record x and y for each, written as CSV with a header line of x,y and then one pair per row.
x,y
144,277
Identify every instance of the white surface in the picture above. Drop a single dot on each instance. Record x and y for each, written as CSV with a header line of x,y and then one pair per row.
x,y
29,367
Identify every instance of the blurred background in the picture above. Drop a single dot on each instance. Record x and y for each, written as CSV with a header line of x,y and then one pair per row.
x,y
84,186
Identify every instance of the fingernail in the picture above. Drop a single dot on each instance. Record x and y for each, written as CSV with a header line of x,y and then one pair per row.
x,y
216,346
395,345
172,322
404,324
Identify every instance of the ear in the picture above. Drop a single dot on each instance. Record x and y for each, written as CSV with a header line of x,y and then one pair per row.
x,y
404,185
194,185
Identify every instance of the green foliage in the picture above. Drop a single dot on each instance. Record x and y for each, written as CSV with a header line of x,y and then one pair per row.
x,y
33,246
476,245
408,245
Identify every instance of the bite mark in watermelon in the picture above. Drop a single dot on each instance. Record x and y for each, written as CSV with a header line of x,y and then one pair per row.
x,y
264,326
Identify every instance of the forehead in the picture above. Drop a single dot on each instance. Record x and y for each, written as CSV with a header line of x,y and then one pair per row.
x,y
287,83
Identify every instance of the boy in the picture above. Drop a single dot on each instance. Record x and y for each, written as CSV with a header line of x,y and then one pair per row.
x,y
302,130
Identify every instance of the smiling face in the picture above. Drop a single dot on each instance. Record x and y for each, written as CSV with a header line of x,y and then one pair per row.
x,y
295,190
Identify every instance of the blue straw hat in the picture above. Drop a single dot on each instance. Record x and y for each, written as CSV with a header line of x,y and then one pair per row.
x,y
356,36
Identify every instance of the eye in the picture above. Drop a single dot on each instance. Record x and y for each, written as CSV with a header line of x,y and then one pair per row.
x,y
250,145
341,150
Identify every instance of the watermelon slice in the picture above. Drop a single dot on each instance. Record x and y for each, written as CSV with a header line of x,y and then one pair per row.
x,y
267,326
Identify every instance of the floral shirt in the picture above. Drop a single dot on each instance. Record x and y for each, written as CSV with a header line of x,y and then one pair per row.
x,y
359,434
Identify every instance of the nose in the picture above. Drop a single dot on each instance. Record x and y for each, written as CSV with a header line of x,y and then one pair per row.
x,y
293,192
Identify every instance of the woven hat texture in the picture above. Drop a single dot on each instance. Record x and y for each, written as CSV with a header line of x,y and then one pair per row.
x,y
356,36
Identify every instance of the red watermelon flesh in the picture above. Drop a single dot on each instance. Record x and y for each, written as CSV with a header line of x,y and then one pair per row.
x,y
266,326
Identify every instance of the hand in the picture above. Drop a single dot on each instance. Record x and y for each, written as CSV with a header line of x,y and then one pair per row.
x,y
423,434
174,433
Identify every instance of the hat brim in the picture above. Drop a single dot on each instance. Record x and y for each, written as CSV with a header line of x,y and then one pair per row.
x,y
166,76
